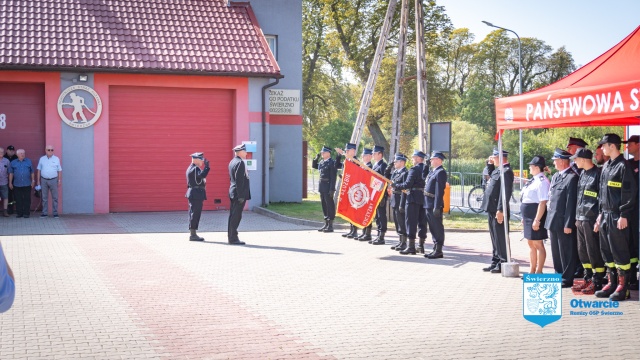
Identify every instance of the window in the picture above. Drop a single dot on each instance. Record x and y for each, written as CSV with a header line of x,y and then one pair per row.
x,y
272,40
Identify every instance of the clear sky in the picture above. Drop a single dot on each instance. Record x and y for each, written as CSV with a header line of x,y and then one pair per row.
x,y
587,28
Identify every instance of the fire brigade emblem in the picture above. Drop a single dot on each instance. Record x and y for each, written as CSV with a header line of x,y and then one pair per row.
x,y
358,195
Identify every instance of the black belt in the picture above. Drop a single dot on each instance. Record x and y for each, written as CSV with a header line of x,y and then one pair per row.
x,y
325,180
416,189
397,192
196,187
429,194
49,179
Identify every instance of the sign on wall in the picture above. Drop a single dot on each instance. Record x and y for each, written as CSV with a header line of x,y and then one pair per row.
x,y
73,108
284,102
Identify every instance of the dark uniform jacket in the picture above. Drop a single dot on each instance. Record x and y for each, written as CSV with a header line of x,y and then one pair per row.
x,y
381,168
617,187
398,198
492,201
196,182
434,189
588,187
328,173
562,201
414,184
576,169
239,180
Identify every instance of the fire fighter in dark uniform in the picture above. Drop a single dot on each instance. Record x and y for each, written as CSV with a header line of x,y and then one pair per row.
x,y
239,192
367,155
398,200
633,148
498,216
434,203
349,152
326,186
618,192
586,214
573,146
380,166
414,210
196,192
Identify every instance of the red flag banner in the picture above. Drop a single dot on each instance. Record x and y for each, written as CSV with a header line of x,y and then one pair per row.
x,y
360,193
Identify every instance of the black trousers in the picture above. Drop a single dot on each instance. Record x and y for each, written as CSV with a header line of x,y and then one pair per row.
x,y
381,215
399,220
328,205
195,209
22,195
633,237
614,243
11,199
589,246
436,227
415,217
235,215
564,254
498,240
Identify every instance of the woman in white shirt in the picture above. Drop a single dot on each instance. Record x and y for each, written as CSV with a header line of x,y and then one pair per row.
x,y
533,208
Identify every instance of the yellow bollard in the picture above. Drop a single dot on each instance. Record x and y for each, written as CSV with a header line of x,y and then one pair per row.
x,y
447,198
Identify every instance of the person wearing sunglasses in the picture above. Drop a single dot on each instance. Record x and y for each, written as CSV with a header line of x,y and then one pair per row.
x,y
49,177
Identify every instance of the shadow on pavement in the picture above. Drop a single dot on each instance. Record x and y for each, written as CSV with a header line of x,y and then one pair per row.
x,y
306,251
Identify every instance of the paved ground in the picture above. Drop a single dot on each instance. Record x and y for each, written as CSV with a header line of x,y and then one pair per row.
x,y
131,286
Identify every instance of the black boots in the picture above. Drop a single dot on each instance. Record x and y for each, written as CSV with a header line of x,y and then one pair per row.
x,y
609,289
329,228
366,234
380,239
420,249
194,236
594,285
410,249
351,234
436,253
622,291
402,244
326,223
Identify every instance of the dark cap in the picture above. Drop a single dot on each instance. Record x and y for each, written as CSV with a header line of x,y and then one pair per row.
x,y
241,147
561,154
400,157
610,139
438,154
505,153
577,142
419,153
378,148
197,155
350,146
632,138
10,147
583,153
367,151
325,149
539,161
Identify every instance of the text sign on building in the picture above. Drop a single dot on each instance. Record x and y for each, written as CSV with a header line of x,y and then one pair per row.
x,y
284,102
79,106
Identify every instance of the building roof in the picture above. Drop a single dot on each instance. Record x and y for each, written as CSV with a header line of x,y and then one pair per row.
x,y
143,36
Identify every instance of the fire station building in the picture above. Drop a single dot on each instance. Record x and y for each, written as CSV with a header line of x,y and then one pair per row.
x,y
126,90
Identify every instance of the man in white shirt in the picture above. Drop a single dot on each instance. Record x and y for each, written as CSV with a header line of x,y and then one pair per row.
x,y
49,178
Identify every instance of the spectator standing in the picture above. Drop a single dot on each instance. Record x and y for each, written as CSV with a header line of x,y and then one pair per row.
x,y
49,178
10,155
4,181
21,181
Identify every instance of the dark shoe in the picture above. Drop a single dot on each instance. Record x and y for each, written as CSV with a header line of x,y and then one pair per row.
x,y
410,249
622,291
378,242
44,215
436,254
236,242
329,228
420,248
497,269
326,223
194,236
490,267
56,216
353,233
367,235
18,216
26,216
349,233
610,288
632,274
401,244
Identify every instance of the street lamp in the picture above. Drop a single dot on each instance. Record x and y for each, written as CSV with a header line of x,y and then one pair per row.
x,y
519,88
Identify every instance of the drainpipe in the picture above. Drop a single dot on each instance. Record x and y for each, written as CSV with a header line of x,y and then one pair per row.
x,y
265,148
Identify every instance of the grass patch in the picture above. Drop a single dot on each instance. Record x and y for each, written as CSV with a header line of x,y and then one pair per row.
x,y
311,209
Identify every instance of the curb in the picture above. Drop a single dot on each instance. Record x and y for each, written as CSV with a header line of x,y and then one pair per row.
x,y
311,223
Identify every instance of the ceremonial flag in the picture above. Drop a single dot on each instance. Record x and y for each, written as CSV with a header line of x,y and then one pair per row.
x,y
360,193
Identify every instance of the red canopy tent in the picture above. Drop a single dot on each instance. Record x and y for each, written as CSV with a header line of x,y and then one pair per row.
x,y
605,92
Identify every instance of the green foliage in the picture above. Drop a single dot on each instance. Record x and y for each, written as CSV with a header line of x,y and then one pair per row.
x,y
466,165
334,134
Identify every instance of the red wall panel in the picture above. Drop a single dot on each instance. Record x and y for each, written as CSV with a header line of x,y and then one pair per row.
x,y
152,132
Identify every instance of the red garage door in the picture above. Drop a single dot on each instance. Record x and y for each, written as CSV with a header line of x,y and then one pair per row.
x,y
22,120
152,132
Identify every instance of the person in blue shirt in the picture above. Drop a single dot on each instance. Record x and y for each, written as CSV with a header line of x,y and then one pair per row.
x,y
7,284
21,181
